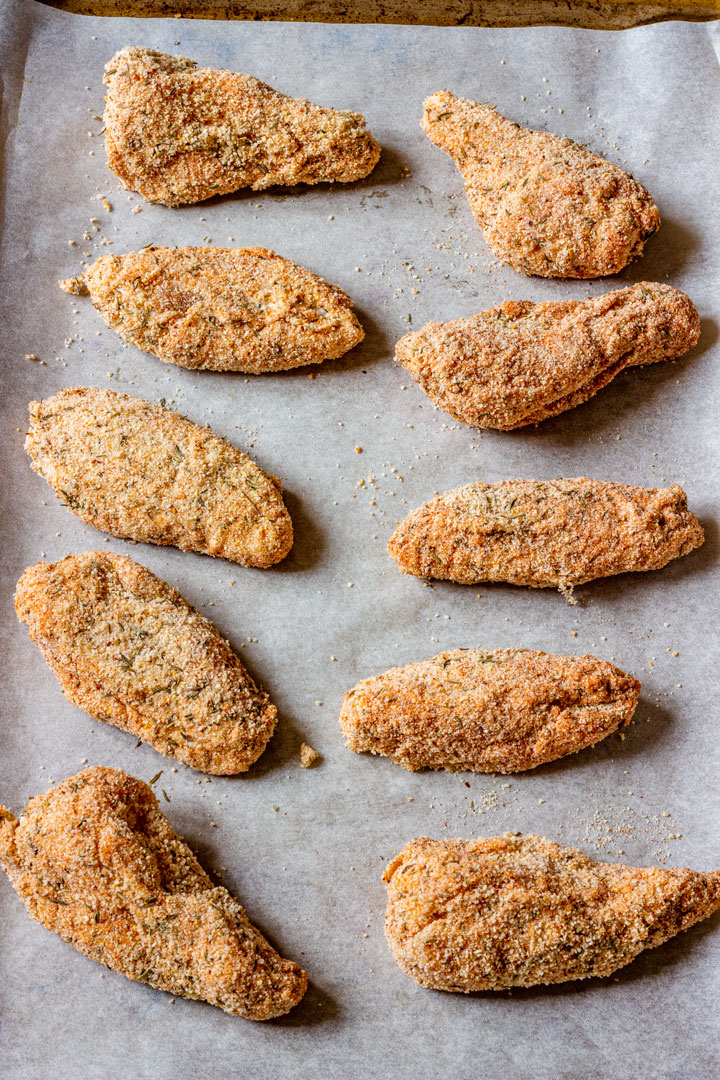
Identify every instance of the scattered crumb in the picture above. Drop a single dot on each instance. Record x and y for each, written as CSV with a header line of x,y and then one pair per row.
x,y
308,756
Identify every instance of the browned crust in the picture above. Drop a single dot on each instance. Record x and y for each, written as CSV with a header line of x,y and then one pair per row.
x,y
546,205
489,914
498,710
544,533
221,309
520,363
179,134
127,648
96,862
140,471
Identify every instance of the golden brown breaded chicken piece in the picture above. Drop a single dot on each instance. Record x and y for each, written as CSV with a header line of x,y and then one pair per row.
x,y
140,471
96,862
502,710
520,362
128,648
546,205
545,533
179,134
489,914
221,309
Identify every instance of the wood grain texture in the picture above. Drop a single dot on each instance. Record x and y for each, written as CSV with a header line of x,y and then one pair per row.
x,y
606,15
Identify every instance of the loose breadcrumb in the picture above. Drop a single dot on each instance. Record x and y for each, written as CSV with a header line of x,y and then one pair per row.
x,y
308,756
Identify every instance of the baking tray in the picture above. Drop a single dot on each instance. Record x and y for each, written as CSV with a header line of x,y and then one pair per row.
x,y
304,849
595,14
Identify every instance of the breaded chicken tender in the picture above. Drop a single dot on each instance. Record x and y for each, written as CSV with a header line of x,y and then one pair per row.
x,y
179,134
96,862
520,362
502,710
489,914
128,648
546,205
140,471
221,309
545,533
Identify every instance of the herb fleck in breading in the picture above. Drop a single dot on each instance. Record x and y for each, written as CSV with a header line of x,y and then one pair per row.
x,y
143,472
498,710
128,648
221,309
545,533
490,914
520,362
179,134
546,205
96,862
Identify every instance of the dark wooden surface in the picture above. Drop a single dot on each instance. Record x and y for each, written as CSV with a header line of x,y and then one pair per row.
x,y
597,14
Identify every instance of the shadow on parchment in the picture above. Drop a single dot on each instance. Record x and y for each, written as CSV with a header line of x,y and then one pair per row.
x,y
650,725
390,169
308,539
376,346
648,964
283,748
602,590
692,565
668,251
614,408
316,1007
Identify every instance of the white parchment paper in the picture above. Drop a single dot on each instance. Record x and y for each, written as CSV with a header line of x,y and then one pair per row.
x,y
304,849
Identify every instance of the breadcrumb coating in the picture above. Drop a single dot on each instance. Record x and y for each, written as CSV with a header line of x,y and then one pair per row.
x,y
545,533
96,862
142,472
545,204
520,363
180,134
490,914
127,648
221,309
500,710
